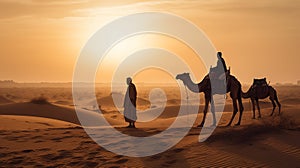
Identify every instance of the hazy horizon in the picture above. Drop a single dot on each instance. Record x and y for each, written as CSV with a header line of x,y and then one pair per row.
x,y
137,83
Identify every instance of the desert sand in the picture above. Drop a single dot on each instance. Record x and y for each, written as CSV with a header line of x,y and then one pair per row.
x,y
49,134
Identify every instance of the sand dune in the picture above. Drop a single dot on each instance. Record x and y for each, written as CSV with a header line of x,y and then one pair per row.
x,y
51,111
39,135
4,100
60,144
40,110
290,101
31,123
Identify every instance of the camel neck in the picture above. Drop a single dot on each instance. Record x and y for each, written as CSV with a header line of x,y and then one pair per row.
x,y
191,85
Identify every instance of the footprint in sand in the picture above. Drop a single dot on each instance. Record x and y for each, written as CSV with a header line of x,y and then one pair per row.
x,y
44,149
27,151
56,139
87,142
38,141
65,153
3,133
37,137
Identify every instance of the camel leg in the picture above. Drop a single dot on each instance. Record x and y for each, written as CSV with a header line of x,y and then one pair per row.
x,y
279,105
241,108
235,110
273,95
213,111
274,105
258,108
253,108
204,111
276,99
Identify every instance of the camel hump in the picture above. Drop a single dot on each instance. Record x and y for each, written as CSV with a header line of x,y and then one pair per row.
x,y
260,82
261,86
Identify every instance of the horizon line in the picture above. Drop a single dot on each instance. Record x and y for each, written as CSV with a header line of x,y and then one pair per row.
x,y
109,83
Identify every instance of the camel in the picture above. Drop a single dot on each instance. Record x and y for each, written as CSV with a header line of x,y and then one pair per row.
x,y
261,90
233,86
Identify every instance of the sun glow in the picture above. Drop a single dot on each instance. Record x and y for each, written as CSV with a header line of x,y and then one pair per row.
x,y
136,43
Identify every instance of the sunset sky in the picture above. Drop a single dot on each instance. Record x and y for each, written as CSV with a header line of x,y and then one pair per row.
x,y
41,40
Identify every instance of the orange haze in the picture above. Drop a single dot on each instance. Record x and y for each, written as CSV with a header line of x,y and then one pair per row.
x,y
40,40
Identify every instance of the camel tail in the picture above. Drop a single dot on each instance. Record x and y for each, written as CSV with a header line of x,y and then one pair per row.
x,y
247,94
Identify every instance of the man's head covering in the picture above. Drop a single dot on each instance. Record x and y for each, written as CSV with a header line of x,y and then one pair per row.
x,y
219,54
129,80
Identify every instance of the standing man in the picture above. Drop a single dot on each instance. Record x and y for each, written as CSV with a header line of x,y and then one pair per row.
x,y
130,104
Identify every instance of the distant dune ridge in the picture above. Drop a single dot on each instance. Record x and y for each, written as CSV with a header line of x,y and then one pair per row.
x,y
4,100
108,101
51,131
40,110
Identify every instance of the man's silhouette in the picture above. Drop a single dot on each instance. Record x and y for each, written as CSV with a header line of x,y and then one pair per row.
x,y
221,62
219,72
130,104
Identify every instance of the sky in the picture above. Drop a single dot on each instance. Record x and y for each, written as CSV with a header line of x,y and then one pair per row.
x,y
41,40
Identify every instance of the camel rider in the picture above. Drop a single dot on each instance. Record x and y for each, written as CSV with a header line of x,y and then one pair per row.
x,y
219,72
221,62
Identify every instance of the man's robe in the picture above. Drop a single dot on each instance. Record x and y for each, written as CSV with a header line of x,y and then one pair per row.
x,y
130,104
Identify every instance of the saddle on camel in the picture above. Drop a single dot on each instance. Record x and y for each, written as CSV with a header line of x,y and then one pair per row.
x,y
219,80
219,75
260,86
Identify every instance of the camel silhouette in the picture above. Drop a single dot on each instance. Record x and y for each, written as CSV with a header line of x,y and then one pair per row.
x,y
261,90
233,86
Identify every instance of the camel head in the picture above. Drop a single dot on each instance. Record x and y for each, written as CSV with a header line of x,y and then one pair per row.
x,y
187,81
183,76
